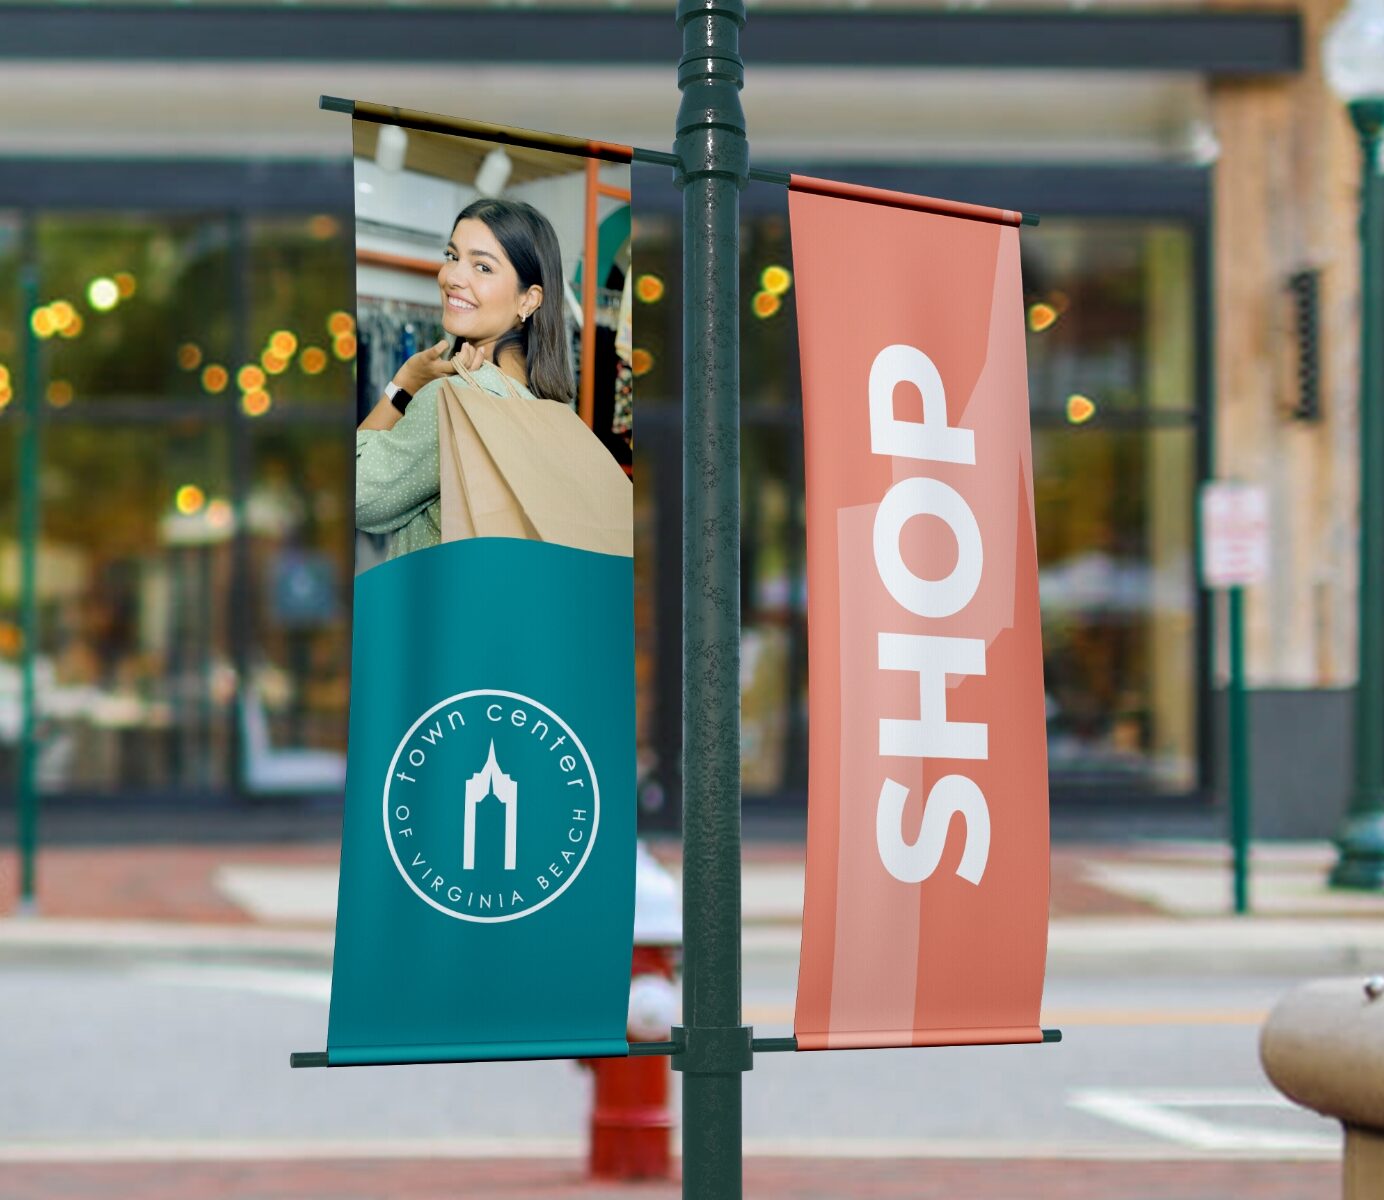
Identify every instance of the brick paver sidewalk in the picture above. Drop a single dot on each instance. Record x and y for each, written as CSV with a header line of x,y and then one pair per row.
x,y
178,882
770,1179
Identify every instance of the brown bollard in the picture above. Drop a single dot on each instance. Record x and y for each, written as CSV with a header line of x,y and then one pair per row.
x,y
1323,1047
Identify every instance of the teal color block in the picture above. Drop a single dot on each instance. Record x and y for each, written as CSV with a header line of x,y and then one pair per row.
x,y
492,708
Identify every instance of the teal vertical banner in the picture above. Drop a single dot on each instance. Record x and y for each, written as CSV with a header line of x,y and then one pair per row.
x,y
486,902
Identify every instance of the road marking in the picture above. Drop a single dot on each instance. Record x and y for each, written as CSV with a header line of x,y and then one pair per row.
x,y
1159,1112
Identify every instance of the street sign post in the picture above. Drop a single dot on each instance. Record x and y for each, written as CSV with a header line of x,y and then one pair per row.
x,y
1235,554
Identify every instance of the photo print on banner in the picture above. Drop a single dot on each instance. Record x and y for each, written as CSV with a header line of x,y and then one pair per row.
x,y
487,871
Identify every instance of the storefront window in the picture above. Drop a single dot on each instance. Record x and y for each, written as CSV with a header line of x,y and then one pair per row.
x,y
300,529
11,382
195,384
134,668
302,339
1110,311
135,308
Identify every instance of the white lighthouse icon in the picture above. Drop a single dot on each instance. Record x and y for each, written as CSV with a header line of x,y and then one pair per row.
x,y
490,780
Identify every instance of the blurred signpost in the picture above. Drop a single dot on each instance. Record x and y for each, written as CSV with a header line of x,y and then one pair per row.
x,y
27,449
1234,554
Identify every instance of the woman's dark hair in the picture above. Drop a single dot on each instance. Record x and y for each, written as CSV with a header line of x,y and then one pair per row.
x,y
528,240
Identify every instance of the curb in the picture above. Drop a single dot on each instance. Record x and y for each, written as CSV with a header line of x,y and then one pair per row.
x,y
1091,947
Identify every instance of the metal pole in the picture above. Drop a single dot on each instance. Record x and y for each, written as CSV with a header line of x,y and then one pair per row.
x,y
713,165
1239,752
1360,842
28,454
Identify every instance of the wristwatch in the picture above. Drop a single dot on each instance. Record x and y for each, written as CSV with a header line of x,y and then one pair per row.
x,y
397,396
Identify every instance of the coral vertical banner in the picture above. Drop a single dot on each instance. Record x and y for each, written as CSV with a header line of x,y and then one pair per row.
x,y
925,917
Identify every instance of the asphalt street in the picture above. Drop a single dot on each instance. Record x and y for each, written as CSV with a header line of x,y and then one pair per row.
x,y
115,1060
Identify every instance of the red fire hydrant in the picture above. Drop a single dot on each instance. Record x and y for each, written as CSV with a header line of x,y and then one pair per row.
x,y
631,1117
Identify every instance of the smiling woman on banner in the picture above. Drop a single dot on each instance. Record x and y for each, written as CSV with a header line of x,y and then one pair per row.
x,y
500,262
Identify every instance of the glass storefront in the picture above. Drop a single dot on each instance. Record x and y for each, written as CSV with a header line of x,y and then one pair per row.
x,y
1110,307
195,384
196,542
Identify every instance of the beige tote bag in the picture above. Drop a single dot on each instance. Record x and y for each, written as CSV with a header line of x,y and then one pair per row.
x,y
516,467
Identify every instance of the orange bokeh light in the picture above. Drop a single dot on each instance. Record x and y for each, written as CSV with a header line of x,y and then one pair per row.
x,y
323,226
344,347
215,378
249,378
126,283
1041,317
272,363
256,403
189,499
1080,409
776,279
313,360
766,304
283,344
189,356
60,393
641,362
340,323
649,288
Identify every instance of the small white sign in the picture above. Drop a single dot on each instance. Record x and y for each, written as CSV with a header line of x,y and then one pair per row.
x,y
1234,534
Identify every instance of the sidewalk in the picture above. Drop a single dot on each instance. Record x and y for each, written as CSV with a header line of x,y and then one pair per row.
x,y
802,1179
1157,907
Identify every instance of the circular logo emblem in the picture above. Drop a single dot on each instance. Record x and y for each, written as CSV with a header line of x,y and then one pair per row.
x,y
491,806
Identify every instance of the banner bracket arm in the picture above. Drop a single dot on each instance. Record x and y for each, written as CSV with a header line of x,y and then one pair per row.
x,y
767,1045
658,158
308,1058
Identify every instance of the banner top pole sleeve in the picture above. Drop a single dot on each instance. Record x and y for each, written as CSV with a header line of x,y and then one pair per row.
x,y
928,204
409,118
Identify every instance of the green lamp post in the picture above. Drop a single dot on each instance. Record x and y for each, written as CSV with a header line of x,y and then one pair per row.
x,y
1353,55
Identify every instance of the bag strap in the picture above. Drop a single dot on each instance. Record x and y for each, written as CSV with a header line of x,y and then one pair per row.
x,y
470,380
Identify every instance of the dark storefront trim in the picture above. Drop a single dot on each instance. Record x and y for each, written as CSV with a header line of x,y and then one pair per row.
x,y
1240,43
